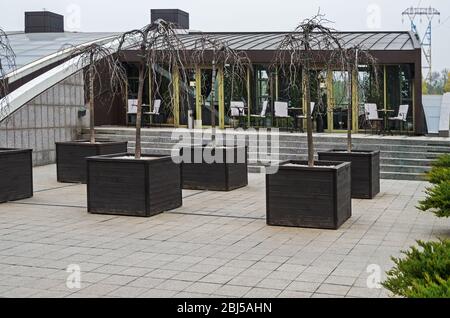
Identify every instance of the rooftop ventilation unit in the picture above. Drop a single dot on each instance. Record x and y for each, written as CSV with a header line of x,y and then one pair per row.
x,y
176,16
43,22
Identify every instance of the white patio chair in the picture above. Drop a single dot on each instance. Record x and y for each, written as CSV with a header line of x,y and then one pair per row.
x,y
237,109
372,116
401,117
282,112
155,112
132,108
303,117
263,114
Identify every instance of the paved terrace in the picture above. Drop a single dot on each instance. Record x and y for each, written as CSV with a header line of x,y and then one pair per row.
x,y
216,245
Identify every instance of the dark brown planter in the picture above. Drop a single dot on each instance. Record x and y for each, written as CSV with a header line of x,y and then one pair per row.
x,y
16,174
365,170
229,174
71,157
119,186
318,197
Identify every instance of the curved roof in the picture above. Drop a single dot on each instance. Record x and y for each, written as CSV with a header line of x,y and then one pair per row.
x,y
247,41
34,47
41,49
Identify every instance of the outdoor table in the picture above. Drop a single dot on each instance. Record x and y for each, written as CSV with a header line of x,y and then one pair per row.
x,y
241,111
386,113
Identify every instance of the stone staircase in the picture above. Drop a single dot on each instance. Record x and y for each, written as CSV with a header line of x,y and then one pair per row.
x,y
402,158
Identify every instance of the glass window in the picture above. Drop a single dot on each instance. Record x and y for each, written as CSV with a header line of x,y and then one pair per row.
x,y
235,89
206,95
188,95
319,96
262,87
162,89
341,99
399,90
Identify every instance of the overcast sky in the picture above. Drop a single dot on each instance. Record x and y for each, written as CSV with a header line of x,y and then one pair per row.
x,y
239,15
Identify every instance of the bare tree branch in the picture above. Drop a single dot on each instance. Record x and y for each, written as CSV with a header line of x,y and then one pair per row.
x,y
99,61
234,63
7,65
158,44
315,46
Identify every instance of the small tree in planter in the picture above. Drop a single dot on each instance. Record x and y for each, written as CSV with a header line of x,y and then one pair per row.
x,y
100,62
229,170
16,171
310,194
365,164
137,184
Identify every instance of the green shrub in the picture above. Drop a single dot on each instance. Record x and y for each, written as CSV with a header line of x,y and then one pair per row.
x,y
431,289
437,200
438,175
423,273
442,162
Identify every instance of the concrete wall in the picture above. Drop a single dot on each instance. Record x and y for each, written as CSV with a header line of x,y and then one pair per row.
x,y
48,118
432,108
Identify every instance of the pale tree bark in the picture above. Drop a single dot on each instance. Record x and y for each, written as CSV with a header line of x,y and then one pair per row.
x,y
213,102
138,148
349,110
309,122
91,104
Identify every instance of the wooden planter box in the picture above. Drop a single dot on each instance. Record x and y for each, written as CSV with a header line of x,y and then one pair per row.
x,y
365,170
71,157
318,197
229,174
16,174
126,186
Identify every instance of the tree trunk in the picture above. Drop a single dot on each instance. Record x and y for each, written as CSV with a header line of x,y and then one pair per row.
x,y
213,97
349,111
309,122
138,149
91,105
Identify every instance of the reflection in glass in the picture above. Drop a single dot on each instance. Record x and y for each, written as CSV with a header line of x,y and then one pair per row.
x,y
235,89
207,103
341,100
187,95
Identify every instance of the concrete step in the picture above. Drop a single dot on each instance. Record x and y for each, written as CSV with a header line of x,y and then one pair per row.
x,y
404,169
357,138
406,162
401,157
403,176
395,151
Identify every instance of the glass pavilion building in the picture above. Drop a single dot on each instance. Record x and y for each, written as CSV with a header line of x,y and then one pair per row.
x,y
41,54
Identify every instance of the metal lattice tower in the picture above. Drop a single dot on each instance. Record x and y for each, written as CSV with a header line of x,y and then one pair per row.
x,y
429,13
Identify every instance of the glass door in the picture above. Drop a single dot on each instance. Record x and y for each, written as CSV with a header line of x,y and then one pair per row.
x,y
235,89
319,96
206,102
188,95
161,88
341,100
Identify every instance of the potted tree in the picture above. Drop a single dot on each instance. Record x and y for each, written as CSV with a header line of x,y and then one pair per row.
x,y
228,168
315,194
365,164
16,165
100,64
137,184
